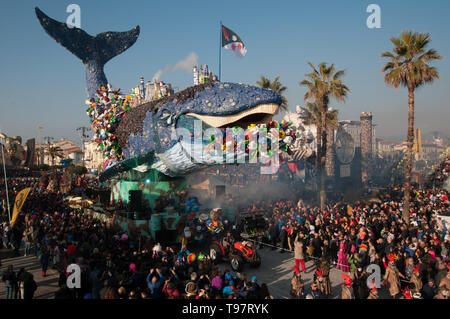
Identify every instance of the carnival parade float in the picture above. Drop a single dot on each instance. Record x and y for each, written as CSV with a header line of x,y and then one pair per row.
x,y
153,138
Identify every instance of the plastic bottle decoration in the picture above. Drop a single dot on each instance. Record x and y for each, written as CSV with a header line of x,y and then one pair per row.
x,y
141,88
163,89
106,112
196,76
202,75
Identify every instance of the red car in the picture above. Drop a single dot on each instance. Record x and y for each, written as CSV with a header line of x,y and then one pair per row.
x,y
237,253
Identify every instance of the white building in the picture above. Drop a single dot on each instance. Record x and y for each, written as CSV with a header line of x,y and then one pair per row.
x,y
70,150
93,156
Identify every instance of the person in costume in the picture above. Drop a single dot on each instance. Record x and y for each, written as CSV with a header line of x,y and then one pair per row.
x,y
373,293
325,269
297,285
360,283
392,276
299,255
416,279
444,286
343,256
347,288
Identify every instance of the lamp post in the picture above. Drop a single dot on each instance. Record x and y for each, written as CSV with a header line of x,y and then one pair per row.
x,y
40,159
6,182
84,136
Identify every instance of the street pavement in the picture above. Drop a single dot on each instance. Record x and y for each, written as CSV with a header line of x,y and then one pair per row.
x,y
47,286
276,272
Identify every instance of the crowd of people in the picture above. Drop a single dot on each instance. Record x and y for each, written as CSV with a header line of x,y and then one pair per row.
x,y
413,258
440,175
114,266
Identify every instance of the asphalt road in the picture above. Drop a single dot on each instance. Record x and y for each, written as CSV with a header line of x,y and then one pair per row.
x,y
275,271
47,286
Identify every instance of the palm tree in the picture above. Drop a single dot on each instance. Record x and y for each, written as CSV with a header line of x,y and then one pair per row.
x,y
408,66
324,83
276,86
313,116
53,152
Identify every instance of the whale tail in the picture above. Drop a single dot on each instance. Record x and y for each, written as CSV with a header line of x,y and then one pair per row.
x,y
93,51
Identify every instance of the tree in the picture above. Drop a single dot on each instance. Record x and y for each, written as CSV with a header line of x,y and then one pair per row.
x,y
408,66
54,152
76,170
324,83
313,116
276,86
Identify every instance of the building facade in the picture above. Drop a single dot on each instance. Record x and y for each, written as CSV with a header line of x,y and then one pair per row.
x,y
69,150
93,156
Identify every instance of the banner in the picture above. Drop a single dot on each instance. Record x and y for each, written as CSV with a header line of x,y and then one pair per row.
x,y
18,203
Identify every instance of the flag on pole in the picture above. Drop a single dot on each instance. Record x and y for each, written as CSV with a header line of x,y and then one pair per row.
x,y
232,41
20,199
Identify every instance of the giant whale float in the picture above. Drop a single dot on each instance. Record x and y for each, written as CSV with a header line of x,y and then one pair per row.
x,y
147,134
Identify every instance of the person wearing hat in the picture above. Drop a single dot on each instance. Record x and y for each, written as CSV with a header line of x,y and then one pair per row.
x,y
373,293
392,276
297,285
253,288
191,290
347,288
228,289
444,286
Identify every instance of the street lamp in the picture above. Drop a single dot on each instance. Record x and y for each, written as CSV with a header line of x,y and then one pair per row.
x,y
6,182
84,136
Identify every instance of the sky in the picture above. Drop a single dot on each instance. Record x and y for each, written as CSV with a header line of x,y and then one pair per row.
x,y
43,84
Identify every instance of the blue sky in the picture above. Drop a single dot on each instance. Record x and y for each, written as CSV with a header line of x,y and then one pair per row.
x,y
41,83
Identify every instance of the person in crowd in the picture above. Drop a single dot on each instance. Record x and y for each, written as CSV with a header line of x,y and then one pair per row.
x,y
347,288
392,276
10,279
429,290
299,253
297,285
349,236
314,292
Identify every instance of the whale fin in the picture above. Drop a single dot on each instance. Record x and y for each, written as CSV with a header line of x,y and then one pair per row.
x,y
73,39
115,43
93,51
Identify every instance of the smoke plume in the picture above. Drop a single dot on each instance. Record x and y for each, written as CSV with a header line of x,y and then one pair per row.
x,y
186,65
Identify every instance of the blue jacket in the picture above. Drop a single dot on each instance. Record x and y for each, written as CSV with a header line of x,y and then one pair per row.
x,y
155,287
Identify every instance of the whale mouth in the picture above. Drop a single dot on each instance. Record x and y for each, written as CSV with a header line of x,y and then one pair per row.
x,y
260,114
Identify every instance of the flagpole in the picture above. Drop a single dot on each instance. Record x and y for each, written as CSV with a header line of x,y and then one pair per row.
x,y
6,182
220,52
